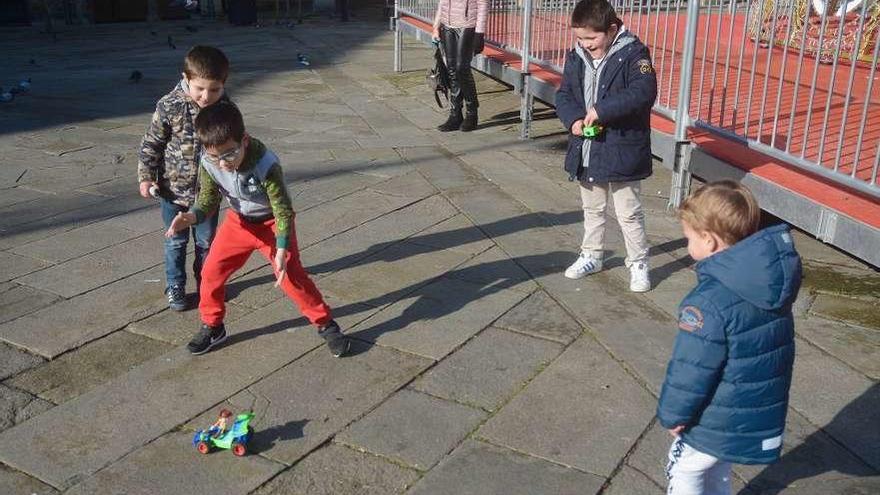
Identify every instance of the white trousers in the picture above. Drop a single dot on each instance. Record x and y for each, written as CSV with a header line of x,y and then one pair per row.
x,y
691,472
627,207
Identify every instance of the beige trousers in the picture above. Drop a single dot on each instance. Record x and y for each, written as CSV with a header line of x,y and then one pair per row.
x,y
627,207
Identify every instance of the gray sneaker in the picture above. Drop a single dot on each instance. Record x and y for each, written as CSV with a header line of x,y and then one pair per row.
x,y
206,338
336,341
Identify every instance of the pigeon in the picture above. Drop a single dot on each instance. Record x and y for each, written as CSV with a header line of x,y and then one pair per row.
x,y
6,96
302,59
171,43
135,76
192,29
191,5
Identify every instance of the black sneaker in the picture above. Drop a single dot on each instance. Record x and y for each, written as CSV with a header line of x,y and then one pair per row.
x,y
176,297
206,338
336,342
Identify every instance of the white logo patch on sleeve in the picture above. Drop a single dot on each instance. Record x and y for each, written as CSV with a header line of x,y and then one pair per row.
x,y
772,443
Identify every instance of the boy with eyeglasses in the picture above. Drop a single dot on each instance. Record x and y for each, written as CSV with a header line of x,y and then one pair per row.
x,y
260,218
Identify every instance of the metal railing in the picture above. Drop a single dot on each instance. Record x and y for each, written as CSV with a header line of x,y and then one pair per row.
x,y
777,75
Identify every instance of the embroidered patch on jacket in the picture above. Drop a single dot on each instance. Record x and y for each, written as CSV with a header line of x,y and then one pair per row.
x,y
645,66
690,319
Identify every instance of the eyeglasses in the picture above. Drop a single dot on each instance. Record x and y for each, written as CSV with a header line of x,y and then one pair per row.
x,y
227,157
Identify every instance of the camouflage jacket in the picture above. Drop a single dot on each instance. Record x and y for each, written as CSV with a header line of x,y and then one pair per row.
x,y
170,149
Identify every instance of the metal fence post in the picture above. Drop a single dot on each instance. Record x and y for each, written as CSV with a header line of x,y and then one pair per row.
x,y
527,101
398,40
681,175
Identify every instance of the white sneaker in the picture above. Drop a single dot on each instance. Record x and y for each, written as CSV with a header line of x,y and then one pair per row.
x,y
639,277
583,266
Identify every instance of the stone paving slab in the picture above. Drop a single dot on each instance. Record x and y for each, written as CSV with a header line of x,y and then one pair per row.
x,y
86,318
409,185
78,371
14,361
628,481
94,270
477,468
315,397
811,463
635,332
13,265
856,346
14,482
17,407
592,412
177,328
81,436
413,428
849,405
329,219
338,470
64,221
18,215
307,194
540,316
489,369
456,233
437,318
171,465
142,220
373,237
19,300
390,274
15,195
494,268
75,243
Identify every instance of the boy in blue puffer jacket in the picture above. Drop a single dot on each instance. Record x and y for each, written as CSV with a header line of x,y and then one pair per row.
x,y
725,395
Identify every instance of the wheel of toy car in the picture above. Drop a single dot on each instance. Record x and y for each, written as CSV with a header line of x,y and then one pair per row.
x,y
203,447
239,449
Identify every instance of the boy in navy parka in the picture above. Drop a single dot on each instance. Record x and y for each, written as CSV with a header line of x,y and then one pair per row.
x,y
725,395
608,80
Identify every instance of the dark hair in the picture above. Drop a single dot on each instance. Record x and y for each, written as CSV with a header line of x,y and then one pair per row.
x,y
225,413
219,123
597,15
206,62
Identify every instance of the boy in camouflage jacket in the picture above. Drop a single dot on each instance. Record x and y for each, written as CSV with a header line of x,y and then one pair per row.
x,y
168,163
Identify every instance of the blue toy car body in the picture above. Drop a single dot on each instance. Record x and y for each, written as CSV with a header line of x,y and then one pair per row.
x,y
235,438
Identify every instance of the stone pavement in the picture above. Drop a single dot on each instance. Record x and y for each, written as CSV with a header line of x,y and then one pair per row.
x,y
477,368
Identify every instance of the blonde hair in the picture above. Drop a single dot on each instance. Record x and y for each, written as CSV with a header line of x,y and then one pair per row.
x,y
725,208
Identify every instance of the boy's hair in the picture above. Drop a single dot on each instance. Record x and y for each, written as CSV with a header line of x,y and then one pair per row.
x,y
219,123
206,62
725,208
597,15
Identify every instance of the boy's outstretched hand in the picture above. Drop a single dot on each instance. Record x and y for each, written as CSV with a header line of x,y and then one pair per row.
x,y
578,128
280,266
182,221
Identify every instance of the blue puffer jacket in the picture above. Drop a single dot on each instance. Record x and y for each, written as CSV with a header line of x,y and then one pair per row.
x,y
730,371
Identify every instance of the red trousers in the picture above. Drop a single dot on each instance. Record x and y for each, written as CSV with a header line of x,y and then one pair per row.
x,y
236,239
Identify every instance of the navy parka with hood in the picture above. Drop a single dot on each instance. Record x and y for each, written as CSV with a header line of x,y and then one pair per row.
x,y
729,377
625,93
